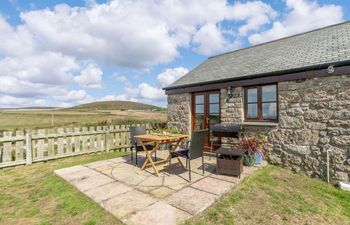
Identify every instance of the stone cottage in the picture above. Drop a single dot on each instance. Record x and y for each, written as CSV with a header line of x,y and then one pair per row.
x,y
296,90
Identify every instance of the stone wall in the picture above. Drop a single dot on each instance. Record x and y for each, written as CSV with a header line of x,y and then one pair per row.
x,y
179,112
314,116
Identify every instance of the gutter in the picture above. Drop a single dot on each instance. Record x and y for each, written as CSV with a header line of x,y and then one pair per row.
x,y
274,73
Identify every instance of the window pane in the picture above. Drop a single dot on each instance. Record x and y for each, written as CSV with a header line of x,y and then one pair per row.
x,y
252,95
214,108
199,122
252,111
199,99
199,109
268,93
269,110
214,119
214,98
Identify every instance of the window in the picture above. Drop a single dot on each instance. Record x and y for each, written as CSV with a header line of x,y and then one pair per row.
x,y
261,103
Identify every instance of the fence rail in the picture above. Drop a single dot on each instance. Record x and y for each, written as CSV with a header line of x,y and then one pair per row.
x,y
27,147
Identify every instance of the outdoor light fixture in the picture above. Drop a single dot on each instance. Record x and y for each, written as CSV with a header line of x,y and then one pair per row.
x,y
229,92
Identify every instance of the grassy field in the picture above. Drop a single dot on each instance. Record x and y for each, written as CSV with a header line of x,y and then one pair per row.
x,y
16,119
277,196
113,112
114,105
34,195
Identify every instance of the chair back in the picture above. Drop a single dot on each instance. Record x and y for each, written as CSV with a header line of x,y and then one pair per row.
x,y
197,143
134,131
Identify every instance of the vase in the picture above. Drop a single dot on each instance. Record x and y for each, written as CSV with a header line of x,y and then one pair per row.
x,y
249,159
259,157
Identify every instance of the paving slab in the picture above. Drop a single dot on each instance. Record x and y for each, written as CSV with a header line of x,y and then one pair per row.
x,y
231,179
98,164
90,182
119,160
128,203
136,196
162,192
65,172
212,185
191,200
159,213
107,191
72,174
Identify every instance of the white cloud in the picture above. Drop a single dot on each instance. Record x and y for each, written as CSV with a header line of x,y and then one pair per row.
x,y
303,15
90,76
170,75
210,40
74,97
54,47
40,102
7,101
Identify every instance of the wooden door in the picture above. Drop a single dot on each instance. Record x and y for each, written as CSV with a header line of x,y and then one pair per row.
x,y
205,112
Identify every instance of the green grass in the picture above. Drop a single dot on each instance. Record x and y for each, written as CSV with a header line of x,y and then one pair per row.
x,y
274,195
34,195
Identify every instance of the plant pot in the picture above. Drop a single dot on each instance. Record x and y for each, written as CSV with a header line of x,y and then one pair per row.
x,y
259,157
249,160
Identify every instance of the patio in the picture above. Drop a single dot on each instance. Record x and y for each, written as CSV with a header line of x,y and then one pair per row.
x,y
140,197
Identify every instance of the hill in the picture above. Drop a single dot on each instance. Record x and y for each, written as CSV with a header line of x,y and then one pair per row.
x,y
114,105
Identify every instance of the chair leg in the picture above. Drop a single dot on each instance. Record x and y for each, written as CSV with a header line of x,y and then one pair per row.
x,y
155,156
203,164
132,154
136,156
189,168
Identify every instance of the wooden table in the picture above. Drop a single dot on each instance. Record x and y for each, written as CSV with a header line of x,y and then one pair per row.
x,y
159,139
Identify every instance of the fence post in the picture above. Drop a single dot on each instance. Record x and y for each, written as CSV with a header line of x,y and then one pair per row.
x,y
29,157
107,136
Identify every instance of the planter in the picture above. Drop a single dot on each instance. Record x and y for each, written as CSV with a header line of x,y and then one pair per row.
x,y
249,160
259,157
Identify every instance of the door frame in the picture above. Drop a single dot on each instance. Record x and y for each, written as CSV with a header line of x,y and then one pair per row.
x,y
206,111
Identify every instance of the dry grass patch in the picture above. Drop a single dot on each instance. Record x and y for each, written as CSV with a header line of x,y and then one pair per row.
x,y
34,195
277,196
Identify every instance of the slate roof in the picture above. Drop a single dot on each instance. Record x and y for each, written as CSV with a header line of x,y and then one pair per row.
x,y
319,47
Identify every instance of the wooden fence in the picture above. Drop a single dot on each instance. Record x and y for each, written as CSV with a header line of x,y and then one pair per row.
x,y
27,147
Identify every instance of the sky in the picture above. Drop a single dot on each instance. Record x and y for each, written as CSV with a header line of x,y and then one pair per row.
x,y
64,53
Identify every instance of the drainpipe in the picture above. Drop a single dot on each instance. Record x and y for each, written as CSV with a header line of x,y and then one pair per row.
x,y
328,152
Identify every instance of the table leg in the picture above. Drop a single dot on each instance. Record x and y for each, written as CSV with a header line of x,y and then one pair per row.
x,y
149,157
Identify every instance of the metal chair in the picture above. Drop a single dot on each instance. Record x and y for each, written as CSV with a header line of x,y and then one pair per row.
x,y
136,145
194,149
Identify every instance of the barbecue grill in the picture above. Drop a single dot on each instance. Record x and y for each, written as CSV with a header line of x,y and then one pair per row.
x,y
229,160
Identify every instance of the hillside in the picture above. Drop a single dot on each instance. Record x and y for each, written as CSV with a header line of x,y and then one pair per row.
x,y
114,105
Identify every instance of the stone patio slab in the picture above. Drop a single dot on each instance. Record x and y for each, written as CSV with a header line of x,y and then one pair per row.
x,y
191,200
90,182
128,203
212,185
98,164
159,213
76,173
162,192
136,196
107,191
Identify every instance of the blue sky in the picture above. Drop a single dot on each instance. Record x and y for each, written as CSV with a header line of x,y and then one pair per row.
x,y
63,53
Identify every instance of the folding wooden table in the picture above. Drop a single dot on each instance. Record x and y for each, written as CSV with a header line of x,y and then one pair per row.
x,y
159,139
